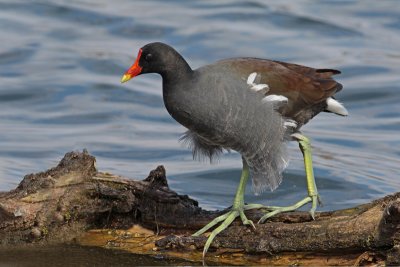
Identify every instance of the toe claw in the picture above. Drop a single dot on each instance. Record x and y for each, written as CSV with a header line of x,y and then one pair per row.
x,y
246,221
312,213
314,204
249,222
264,218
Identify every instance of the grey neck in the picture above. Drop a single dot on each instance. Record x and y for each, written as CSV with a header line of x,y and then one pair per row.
x,y
177,71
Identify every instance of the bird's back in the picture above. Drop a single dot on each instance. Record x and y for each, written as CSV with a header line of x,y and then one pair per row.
x,y
307,89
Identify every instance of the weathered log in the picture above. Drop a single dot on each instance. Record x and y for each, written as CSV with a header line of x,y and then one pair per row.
x,y
73,202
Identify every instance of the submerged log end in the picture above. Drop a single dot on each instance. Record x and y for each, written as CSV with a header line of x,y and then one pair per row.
x,y
44,204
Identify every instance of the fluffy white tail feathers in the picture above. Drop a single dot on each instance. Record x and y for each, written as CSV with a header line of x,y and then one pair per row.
x,y
336,107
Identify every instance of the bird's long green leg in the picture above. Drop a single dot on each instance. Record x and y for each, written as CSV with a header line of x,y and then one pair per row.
x,y
305,147
237,210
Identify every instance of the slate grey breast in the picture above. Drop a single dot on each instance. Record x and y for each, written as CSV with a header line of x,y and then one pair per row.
x,y
221,111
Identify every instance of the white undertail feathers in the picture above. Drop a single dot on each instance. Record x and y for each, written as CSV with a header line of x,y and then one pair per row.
x,y
336,107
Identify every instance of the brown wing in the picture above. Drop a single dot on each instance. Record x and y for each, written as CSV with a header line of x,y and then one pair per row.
x,y
319,73
306,88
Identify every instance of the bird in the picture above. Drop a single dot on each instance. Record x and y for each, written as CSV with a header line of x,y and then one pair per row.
x,y
250,105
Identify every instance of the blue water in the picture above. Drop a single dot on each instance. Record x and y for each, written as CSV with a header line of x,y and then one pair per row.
x,y
61,64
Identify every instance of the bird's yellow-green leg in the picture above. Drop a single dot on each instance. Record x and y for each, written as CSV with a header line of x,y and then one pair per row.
x,y
226,219
305,147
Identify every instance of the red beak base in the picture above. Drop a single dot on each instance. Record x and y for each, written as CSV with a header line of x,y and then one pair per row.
x,y
134,70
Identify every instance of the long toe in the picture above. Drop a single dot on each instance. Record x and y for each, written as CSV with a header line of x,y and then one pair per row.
x,y
228,218
277,210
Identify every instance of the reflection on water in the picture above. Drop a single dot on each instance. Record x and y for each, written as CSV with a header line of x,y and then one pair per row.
x,y
61,62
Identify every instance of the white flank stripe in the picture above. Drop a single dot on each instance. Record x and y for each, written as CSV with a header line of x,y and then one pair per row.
x,y
259,87
336,107
290,123
256,87
275,98
251,78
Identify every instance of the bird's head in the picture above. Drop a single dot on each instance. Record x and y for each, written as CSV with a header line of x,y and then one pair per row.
x,y
153,58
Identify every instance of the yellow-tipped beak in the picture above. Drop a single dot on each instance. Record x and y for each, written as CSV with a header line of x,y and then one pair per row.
x,y
126,78
134,70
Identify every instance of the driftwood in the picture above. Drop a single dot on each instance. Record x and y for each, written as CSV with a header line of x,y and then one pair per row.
x,y
73,202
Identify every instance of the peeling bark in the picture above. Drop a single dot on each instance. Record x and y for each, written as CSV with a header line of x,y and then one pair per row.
x,y
69,202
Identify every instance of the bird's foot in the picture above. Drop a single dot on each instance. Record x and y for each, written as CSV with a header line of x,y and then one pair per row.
x,y
274,210
225,220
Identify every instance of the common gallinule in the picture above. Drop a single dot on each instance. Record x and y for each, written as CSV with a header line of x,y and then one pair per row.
x,y
250,105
